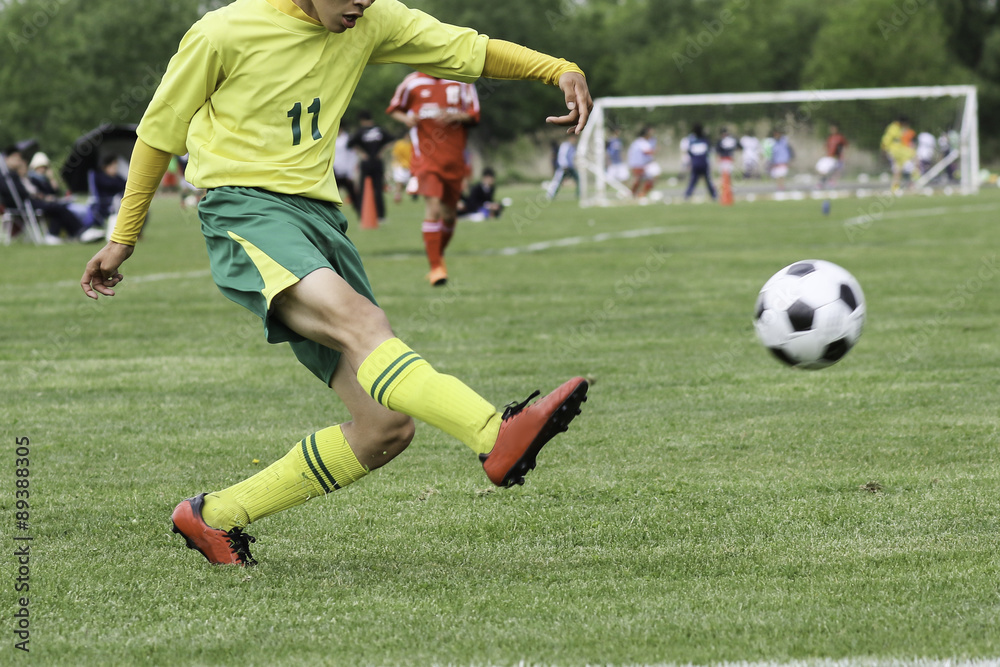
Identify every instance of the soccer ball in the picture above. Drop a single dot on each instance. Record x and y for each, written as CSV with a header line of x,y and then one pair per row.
x,y
810,314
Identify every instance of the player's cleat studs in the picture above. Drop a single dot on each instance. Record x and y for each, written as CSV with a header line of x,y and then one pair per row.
x,y
526,429
216,545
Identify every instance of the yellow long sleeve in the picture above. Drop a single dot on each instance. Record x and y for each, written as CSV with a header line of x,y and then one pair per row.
x,y
145,172
506,60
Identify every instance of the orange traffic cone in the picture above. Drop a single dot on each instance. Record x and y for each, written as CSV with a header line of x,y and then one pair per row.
x,y
727,189
369,214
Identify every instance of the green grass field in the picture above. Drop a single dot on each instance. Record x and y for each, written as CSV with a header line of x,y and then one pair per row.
x,y
708,505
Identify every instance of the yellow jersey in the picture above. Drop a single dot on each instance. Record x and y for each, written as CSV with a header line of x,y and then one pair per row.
x,y
257,89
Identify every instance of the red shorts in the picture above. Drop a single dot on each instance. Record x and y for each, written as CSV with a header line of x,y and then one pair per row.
x,y
449,191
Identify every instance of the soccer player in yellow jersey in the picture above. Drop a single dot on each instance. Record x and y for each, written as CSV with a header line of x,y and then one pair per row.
x,y
255,94
899,150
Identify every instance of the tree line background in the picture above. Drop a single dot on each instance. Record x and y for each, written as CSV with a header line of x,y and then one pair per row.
x,y
67,66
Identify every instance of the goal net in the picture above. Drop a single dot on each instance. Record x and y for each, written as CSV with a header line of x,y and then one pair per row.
x,y
904,139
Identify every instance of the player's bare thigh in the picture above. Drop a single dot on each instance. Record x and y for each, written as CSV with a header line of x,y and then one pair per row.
x,y
324,308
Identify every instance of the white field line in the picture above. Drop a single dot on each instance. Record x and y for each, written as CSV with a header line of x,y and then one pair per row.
x,y
814,662
918,213
579,240
568,241
150,278
517,250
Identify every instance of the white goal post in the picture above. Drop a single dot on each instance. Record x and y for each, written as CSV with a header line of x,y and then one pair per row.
x,y
591,161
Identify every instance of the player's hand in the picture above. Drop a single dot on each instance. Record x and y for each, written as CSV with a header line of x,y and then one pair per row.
x,y
578,101
102,273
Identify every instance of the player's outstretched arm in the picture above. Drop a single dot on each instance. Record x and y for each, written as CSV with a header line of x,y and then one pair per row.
x,y
145,172
506,60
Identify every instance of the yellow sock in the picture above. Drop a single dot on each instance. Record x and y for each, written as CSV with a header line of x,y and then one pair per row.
x,y
318,464
398,378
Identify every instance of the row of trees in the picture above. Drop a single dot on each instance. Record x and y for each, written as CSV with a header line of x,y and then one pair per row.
x,y
69,65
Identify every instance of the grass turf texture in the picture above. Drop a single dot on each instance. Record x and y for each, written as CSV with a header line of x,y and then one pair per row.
x,y
707,505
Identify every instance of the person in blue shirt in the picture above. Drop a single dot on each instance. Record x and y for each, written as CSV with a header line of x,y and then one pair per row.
x,y
781,155
617,169
699,150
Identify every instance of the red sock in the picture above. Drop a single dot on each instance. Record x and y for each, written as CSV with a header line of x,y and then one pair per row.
x,y
433,241
447,231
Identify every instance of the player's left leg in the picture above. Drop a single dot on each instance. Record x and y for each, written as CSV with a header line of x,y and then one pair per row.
x,y
320,463
431,187
450,196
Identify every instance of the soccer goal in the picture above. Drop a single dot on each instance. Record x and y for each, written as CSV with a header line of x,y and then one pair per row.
x,y
940,133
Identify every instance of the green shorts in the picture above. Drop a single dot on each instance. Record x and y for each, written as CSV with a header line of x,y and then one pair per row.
x,y
260,243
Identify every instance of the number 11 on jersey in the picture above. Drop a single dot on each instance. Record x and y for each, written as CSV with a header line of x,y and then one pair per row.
x,y
295,113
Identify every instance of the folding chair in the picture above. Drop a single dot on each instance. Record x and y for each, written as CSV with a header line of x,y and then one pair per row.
x,y
22,213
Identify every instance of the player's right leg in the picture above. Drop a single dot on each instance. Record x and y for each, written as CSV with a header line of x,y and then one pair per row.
x,y
321,308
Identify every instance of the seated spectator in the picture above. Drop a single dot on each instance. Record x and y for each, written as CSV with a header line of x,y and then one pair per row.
x,y
40,175
109,186
60,218
478,205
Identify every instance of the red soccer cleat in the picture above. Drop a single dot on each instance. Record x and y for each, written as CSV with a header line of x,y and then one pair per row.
x,y
218,546
525,430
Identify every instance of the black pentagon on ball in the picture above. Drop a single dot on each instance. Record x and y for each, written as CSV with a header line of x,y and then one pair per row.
x,y
760,308
782,356
800,314
801,269
847,296
836,350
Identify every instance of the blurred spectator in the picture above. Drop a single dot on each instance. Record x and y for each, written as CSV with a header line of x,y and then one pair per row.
x,y
750,145
781,155
109,186
370,139
948,142
640,161
478,205
402,157
725,148
698,150
899,150
345,169
565,166
41,176
57,213
616,156
926,148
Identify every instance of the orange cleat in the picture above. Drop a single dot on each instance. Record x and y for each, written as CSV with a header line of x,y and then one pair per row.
x,y
525,430
438,276
218,546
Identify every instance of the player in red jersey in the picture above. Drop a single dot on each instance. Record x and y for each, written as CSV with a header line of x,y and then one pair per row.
x,y
439,113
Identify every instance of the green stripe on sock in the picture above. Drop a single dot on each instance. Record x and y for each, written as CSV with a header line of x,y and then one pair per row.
x,y
388,370
305,453
394,376
319,460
